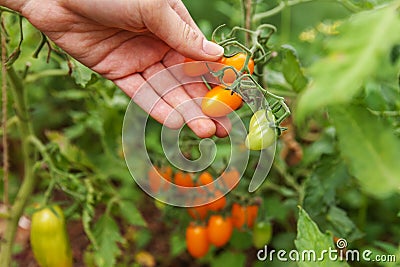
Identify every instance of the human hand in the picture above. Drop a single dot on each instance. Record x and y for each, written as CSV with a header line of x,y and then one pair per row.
x,y
128,42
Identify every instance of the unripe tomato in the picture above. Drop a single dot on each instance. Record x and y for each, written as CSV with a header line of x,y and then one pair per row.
x,y
261,134
49,238
242,215
237,61
220,102
262,233
219,230
197,241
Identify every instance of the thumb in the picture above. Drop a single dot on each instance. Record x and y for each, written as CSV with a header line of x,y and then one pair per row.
x,y
166,24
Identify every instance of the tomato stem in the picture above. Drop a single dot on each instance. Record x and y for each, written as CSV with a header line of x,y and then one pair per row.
x,y
28,183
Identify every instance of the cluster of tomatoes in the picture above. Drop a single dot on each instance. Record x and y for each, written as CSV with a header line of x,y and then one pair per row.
x,y
219,228
213,223
220,101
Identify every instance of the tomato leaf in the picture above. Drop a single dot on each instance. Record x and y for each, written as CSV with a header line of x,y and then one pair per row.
x,y
370,149
364,42
320,187
107,234
229,259
131,213
291,68
82,75
309,237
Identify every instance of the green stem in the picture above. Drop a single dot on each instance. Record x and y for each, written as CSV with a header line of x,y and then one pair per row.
x,y
27,186
283,4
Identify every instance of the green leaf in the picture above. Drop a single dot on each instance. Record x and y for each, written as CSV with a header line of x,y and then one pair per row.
x,y
364,41
370,149
229,259
310,238
240,240
178,244
82,75
131,213
291,68
320,187
342,225
107,234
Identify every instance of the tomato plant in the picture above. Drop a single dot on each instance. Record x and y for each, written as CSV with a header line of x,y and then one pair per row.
x,y
61,142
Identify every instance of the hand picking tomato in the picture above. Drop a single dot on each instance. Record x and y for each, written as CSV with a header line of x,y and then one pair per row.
x,y
49,238
220,102
242,215
262,233
261,134
219,230
197,241
237,61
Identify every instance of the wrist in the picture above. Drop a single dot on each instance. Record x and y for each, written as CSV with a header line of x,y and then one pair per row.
x,y
15,5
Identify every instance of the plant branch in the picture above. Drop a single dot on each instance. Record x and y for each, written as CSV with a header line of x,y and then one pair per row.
x,y
283,4
4,119
28,183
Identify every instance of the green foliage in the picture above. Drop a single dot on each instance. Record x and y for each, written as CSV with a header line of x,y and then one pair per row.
x,y
107,235
309,237
342,84
370,149
292,70
338,77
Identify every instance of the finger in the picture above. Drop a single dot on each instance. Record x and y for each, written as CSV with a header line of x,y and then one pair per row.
x,y
224,126
173,93
144,96
165,23
182,11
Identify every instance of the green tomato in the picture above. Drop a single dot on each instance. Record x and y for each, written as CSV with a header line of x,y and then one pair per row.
x,y
261,134
49,238
262,233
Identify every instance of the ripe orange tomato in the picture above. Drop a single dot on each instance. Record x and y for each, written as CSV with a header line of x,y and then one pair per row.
x,y
183,179
237,61
198,213
242,215
197,241
204,179
217,205
229,179
219,230
155,182
220,102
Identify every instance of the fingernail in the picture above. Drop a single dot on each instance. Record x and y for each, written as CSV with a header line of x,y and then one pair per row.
x,y
212,48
